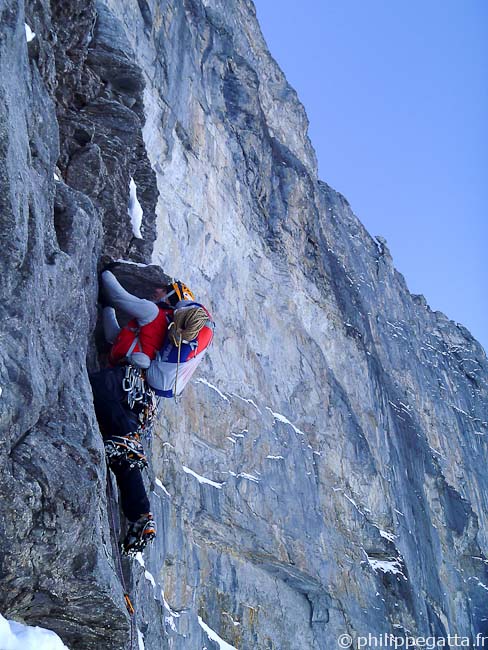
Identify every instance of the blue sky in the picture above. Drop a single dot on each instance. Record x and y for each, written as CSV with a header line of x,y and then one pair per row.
x,y
397,98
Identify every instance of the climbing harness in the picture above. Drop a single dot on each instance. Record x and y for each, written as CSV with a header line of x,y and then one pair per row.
x,y
140,394
133,384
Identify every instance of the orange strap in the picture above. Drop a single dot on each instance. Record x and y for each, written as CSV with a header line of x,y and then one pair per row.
x,y
129,605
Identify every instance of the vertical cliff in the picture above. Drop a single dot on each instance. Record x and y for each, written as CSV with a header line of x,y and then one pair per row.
x,y
326,471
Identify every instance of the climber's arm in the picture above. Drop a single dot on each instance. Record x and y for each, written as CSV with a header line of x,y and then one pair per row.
x,y
143,310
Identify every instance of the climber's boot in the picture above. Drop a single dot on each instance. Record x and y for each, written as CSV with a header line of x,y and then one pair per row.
x,y
126,449
139,534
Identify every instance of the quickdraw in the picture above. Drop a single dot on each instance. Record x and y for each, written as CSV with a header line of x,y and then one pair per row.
x,y
129,605
134,385
148,414
140,393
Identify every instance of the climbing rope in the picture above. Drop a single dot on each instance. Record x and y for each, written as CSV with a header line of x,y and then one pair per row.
x,y
128,603
188,322
177,368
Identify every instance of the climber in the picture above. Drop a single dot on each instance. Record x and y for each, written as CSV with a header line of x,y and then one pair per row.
x,y
168,339
155,353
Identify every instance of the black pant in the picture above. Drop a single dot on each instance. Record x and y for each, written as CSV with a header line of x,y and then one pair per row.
x,y
115,418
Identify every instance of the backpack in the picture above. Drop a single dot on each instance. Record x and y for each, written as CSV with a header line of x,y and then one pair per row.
x,y
173,365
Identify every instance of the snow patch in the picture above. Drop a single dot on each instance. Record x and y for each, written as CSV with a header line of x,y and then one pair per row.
x,y
202,479
140,559
159,484
392,565
240,435
200,380
135,210
170,620
234,623
15,636
167,606
29,34
456,408
140,639
248,401
121,261
282,418
275,457
223,645
351,500
150,578
249,477
389,536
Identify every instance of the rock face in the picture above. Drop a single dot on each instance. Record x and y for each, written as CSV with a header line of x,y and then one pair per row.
x,y
325,473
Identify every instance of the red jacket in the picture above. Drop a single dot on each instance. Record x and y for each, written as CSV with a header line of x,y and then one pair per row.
x,y
150,337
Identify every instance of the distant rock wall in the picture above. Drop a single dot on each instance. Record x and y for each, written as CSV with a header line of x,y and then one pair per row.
x,y
325,473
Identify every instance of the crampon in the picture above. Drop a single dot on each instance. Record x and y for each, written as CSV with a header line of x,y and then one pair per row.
x,y
139,534
126,448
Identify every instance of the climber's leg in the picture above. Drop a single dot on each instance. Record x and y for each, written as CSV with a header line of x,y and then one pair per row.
x,y
135,506
109,399
133,495
144,310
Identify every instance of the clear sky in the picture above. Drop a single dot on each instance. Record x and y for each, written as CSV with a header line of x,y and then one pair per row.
x,y
396,92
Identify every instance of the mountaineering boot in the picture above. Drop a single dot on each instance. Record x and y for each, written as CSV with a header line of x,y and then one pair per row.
x,y
125,448
139,534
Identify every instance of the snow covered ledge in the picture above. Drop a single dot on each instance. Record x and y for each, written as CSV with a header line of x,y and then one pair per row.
x,y
15,636
223,645
135,210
